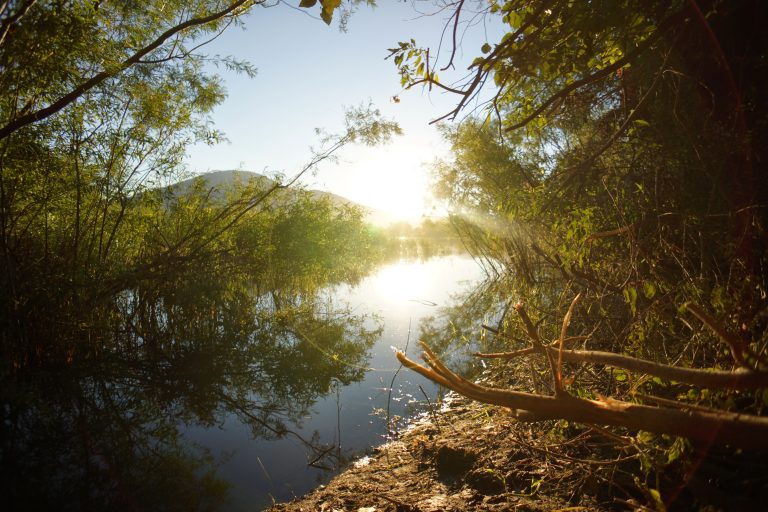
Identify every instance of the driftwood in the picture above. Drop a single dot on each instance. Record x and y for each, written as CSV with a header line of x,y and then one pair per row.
x,y
698,424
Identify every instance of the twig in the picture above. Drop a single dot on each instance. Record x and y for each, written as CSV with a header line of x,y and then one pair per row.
x,y
536,340
672,403
392,382
456,15
575,459
431,410
738,347
563,331
501,334
506,355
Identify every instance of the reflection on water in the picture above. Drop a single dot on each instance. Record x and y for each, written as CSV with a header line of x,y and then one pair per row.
x,y
398,283
214,401
261,470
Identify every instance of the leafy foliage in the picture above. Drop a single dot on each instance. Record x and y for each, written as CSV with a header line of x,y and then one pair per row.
x,y
620,159
129,308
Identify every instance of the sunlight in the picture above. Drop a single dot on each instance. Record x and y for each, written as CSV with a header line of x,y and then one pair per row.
x,y
393,180
402,282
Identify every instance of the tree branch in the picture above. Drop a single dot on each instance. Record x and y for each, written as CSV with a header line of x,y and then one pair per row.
x,y
456,15
745,378
7,23
720,379
99,78
602,73
736,429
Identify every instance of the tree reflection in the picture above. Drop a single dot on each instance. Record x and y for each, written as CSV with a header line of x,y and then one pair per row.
x,y
93,419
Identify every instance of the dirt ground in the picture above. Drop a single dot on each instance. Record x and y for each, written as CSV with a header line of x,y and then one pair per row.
x,y
469,456
472,456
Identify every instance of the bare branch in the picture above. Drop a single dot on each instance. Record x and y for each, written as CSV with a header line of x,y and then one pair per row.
x,y
506,355
456,15
706,378
736,429
563,331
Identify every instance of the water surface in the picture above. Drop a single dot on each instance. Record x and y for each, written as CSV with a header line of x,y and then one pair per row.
x,y
400,294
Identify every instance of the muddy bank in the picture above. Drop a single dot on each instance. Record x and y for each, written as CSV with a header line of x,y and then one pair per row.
x,y
467,457
472,456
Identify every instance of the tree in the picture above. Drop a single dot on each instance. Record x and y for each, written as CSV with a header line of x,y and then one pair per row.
x,y
127,309
99,102
618,159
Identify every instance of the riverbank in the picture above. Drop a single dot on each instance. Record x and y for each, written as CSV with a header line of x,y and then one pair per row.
x,y
472,456
467,456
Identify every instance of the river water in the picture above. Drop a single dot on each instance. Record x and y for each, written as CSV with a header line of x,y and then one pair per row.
x,y
349,419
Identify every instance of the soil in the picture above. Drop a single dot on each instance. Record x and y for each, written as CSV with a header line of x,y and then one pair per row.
x,y
473,456
468,456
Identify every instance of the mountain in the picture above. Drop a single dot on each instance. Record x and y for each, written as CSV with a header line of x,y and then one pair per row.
x,y
222,179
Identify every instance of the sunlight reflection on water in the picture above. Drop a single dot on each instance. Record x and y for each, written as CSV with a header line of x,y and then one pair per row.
x,y
401,294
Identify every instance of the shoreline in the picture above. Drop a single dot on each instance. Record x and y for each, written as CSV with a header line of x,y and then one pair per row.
x,y
471,459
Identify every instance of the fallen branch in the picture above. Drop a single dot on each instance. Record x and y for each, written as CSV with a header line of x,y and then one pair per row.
x,y
719,379
743,378
736,429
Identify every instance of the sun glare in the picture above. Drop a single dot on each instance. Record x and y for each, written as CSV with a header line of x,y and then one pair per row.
x,y
402,282
392,179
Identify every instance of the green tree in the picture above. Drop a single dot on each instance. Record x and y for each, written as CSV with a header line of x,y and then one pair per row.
x,y
621,158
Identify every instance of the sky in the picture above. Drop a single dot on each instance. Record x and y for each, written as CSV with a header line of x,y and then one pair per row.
x,y
307,73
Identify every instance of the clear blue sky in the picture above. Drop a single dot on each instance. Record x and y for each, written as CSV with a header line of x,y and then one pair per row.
x,y
307,73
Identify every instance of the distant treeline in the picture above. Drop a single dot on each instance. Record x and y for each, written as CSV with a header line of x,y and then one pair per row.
x,y
430,238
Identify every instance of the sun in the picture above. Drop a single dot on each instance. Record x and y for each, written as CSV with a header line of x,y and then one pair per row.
x,y
392,179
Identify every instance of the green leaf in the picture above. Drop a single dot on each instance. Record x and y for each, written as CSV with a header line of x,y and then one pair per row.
x,y
307,3
630,296
649,289
514,19
658,502
328,7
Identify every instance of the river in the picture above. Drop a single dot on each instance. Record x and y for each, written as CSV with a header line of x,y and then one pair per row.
x,y
260,471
